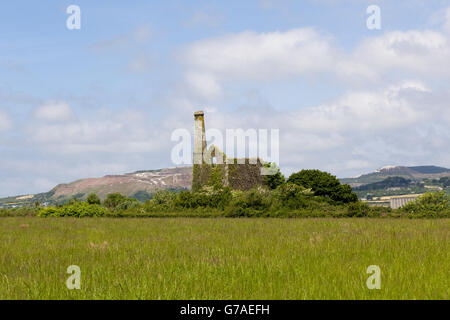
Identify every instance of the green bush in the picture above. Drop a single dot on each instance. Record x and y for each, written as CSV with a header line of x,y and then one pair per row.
x,y
255,202
92,198
29,211
433,204
206,197
275,180
80,209
129,204
358,209
164,198
324,184
292,196
113,200
287,200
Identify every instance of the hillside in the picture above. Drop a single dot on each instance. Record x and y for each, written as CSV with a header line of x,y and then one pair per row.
x,y
417,173
140,185
143,184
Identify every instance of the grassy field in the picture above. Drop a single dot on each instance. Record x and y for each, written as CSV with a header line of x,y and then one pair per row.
x,y
224,258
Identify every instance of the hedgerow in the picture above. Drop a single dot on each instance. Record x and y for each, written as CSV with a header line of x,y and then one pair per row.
x,y
286,201
433,204
78,209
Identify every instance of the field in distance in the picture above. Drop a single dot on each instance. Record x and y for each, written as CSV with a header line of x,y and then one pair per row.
x,y
224,258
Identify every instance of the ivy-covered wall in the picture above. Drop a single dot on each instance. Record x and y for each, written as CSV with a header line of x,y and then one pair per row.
x,y
212,168
239,176
245,176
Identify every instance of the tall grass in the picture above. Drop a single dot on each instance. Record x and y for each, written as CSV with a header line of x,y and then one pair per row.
x,y
224,258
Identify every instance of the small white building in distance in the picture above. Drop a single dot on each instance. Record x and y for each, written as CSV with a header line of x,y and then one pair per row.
x,y
394,202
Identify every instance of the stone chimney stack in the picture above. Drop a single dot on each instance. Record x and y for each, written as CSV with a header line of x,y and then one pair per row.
x,y
199,137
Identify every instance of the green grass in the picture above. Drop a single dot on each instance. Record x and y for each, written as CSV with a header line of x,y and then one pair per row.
x,y
189,258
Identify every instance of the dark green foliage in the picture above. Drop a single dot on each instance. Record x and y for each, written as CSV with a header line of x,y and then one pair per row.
x,y
164,199
200,176
206,197
445,181
358,209
324,184
142,196
249,203
239,174
245,175
288,200
275,180
344,194
292,196
128,204
29,211
93,199
113,200
434,204
216,177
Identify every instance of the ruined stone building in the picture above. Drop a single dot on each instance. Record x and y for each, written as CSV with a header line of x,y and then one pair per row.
x,y
212,167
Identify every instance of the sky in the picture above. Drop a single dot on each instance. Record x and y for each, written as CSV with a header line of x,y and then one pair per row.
x,y
105,98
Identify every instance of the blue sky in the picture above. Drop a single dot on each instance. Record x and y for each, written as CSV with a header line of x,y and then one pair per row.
x,y
104,99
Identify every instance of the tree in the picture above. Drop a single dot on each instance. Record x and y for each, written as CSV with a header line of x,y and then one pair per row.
x,y
113,200
273,180
343,193
324,184
93,199
445,181
429,204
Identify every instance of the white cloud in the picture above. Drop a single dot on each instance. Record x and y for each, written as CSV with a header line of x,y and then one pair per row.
x,y
441,18
257,56
415,53
56,111
393,109
390,108
126,131
357,132
204,84
298,53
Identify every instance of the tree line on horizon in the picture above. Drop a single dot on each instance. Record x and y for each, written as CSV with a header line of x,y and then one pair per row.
x,y
307,193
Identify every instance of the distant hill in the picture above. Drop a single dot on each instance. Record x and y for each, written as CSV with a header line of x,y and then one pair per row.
x,y
140,185
390,182
430,170
417,173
